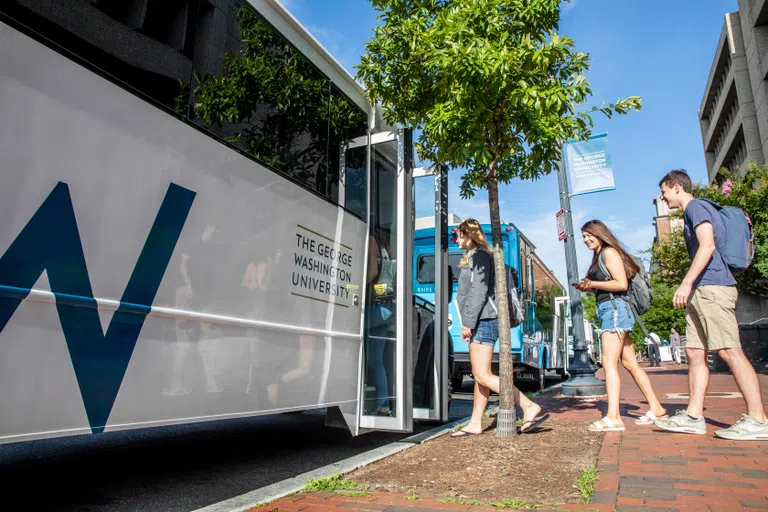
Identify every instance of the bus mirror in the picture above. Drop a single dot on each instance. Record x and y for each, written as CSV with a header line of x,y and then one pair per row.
x,y
450,284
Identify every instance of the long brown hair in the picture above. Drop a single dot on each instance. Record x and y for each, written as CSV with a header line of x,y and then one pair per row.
x,y
472,229
599,230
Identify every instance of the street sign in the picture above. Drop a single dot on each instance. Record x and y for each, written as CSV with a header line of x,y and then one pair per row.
x,y
589,165
560,216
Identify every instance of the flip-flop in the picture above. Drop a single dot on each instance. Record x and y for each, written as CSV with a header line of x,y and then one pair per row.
x,y
605,425
648,418
464,433
532,424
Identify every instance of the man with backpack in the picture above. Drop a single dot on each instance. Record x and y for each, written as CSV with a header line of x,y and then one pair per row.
x,y
708,292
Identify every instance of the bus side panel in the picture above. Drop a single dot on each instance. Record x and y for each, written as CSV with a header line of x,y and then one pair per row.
x,y
116,199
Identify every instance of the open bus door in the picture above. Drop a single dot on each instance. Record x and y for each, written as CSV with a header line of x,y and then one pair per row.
x,y
385,391
404,369
434,368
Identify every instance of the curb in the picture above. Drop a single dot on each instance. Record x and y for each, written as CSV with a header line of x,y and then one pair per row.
x,y
293,485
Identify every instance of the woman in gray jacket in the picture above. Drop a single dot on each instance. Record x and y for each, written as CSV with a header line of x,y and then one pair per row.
x,y
480,327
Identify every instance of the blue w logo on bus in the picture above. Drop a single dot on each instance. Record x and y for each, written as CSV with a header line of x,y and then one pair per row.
x,y
51,241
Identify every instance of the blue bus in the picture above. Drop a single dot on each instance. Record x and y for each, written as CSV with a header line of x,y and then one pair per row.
x,y
531,343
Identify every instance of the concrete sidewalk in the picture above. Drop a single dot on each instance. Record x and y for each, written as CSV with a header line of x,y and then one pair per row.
x,y
643,468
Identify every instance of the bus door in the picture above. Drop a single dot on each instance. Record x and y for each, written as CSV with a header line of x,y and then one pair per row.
x,y
432,354
385,399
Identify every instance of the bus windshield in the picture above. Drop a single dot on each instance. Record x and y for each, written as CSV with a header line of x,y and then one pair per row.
x,y
425,272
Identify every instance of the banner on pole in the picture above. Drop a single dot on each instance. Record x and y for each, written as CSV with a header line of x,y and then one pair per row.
x,y
589,165
561,234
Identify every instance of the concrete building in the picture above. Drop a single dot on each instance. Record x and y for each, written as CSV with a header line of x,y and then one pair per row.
x,y
733,114
663,222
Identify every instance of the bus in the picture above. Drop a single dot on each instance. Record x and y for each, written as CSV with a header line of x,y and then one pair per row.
x,y
534,348
189,197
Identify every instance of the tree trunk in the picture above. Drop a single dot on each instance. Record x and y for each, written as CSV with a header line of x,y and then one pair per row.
x,y
506,423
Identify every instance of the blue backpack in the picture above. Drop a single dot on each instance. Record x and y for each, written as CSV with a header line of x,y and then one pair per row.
x,y
739,248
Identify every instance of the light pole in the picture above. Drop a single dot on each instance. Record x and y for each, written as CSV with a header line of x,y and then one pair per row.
x,y
582,381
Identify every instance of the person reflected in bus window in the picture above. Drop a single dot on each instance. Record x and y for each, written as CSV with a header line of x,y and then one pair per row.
x,y
480,328
382,272
183,330
193,336
608,278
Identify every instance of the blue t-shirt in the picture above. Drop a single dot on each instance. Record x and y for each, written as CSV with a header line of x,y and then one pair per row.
x,y
716,272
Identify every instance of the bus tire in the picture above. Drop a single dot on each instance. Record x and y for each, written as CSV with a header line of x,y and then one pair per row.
x,y
456,382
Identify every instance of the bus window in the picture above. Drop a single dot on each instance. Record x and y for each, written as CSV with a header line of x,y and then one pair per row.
x,y
264,97
346,123
146,45
221,67
425,267
513,277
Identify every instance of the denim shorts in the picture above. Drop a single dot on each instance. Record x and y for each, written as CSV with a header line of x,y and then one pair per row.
x,y
615,319
486,332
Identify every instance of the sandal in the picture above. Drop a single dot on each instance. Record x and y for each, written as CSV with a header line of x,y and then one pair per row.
x,y
648,418
532,424
605,425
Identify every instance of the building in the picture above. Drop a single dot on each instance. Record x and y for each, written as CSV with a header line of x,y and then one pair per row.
x,y
733,115
663,222
543,277
429,222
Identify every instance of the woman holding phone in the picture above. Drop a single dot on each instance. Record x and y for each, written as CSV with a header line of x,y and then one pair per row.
x,y
608,278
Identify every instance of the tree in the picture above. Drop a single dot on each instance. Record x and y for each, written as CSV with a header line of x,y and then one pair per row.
x,y
544,313
589,307
661,317
670,259
495,90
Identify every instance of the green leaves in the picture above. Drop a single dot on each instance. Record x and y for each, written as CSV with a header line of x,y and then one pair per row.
x,y
485,80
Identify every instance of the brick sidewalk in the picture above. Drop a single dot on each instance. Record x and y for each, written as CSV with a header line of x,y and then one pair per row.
x,y
643,468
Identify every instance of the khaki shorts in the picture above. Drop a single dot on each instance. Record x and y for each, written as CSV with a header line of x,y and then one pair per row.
x,y
710,318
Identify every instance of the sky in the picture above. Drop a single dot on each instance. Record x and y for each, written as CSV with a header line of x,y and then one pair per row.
x,y
659,50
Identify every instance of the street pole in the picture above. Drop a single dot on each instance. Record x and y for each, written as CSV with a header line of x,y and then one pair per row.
x,y
582,381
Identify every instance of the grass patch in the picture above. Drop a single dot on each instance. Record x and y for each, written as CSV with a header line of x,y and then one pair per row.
x,y
329,484
513,504
586,482
459,501
498,504
412,495
355,494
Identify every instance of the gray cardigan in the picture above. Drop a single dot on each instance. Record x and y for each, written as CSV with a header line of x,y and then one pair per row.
x,y
475,286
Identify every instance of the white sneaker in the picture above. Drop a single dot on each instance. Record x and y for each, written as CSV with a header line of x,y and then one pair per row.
x,y
746,429
681,422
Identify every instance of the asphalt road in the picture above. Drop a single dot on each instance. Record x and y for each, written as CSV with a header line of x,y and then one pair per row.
x,y
181,468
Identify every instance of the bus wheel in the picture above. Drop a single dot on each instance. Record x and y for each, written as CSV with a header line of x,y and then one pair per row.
x,y
456,382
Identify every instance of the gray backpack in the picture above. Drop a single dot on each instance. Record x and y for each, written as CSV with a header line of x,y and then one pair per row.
x,y
639,294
